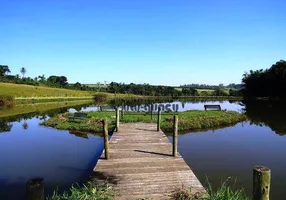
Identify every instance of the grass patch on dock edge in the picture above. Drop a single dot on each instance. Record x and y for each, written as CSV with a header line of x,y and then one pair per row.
x,y
92,191
88,191
225,191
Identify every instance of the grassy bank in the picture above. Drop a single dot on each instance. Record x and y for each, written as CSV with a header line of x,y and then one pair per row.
x,y
188,121
88,191
32,100
95,192
19,90
6,101
39,94
224,192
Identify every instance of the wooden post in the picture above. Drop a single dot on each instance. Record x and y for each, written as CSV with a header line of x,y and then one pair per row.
x,y
261,183
35,189
122,111
117,119
105,134
175,135
151,111
159,119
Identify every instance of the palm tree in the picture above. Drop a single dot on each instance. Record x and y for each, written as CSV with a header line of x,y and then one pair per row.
x,y
23,71
25,125
42,78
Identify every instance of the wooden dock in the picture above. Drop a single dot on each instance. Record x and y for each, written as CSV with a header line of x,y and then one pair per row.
x,y
141,164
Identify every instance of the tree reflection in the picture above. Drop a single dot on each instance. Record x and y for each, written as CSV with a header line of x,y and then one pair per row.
x,y
5,126
5,122
269,113
25,125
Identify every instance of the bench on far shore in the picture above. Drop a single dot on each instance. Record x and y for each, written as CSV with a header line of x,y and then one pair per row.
x,y
212,107
78,115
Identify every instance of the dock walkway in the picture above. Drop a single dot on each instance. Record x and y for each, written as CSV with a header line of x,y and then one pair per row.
x,y
141,164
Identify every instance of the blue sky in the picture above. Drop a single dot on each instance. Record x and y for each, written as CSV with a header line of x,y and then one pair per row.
x,y
168,42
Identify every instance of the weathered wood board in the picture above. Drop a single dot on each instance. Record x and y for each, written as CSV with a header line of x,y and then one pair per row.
x,y
141,165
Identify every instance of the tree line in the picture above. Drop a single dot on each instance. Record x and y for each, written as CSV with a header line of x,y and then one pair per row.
x,y
266,83
41,80
151,90
113,87
213,87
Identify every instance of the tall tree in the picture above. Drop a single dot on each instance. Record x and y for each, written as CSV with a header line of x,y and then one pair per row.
x,y
42,78
23,71
4,69
266,83
59,80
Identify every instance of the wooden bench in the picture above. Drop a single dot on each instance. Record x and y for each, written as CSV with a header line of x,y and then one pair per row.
x,y
212,107
78,115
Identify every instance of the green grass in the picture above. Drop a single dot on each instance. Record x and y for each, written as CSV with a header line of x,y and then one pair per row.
x,y
188,121
32,94
28,93
49,99
93,124
205,90
88,191
20,90
6,101
224,192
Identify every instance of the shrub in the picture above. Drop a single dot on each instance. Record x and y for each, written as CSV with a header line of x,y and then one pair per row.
x,y
100,97
185,194
7,101
225,192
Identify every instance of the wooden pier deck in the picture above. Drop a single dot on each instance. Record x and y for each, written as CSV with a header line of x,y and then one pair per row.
x,y
141,165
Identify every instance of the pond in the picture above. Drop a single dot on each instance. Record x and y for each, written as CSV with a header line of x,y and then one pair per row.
x,y
29,150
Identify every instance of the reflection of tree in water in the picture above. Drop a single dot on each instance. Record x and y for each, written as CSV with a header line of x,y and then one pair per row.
x,y
25,125
79,134
41,115
269,113
136,102
78,108
183,105
5,126
235,102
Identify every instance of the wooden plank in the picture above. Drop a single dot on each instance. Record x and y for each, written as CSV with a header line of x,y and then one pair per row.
x,y
141,164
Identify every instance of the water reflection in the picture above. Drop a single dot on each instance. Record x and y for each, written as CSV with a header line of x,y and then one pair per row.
x,y
180,105
64,157
5,126
267,113
60,157
25,125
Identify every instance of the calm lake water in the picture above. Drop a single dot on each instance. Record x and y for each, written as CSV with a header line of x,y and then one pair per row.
x,y
28,150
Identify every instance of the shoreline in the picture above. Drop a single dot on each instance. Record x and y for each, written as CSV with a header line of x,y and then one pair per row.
x,y
189,121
